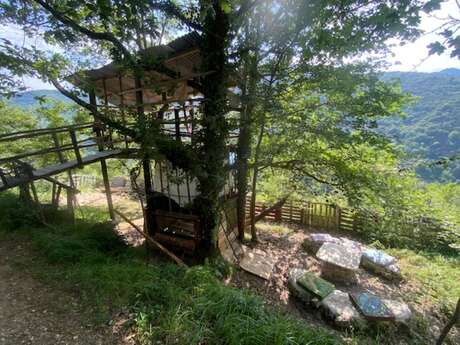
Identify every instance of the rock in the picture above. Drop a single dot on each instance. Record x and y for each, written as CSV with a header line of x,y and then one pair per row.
x,y
378,257
338,308
400,310
372,307
307,287
320,288
314,241
339,263
381,263
295,289
353,245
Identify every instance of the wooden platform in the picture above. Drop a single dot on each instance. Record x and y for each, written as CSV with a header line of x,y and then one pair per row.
x,y
58,168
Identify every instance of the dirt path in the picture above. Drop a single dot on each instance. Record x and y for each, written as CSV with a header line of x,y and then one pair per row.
x,y
32,313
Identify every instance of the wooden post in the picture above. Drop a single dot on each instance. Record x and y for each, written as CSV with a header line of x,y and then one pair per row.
x,y
61,158
70,198
37,201
105,174
73,137
338,212
278,213
177,123
122,107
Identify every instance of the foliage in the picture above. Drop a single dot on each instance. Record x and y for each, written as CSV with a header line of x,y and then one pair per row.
x,y
170,305
430,130
435,276
302,46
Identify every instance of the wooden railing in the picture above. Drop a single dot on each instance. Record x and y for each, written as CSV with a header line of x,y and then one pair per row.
x,y
25,151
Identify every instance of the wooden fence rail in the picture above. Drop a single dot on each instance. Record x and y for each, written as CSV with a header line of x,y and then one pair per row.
x,y
313,215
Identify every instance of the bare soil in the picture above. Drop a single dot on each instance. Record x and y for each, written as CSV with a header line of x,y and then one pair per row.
x,y
33,313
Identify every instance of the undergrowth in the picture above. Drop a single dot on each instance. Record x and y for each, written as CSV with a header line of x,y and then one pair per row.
x,y
171,305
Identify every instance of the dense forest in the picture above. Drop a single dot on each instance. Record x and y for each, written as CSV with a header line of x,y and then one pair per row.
x,y
431,128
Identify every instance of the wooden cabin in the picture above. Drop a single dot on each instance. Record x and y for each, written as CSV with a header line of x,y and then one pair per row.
x,y
167,92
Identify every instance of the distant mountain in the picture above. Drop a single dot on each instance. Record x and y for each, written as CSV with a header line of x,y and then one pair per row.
x,y
28,98
431,128
453,72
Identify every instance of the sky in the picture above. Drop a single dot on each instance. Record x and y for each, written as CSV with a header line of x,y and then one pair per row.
x,y
409,57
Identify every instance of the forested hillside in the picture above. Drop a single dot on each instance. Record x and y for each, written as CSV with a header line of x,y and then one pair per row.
x,y
31,98
431,129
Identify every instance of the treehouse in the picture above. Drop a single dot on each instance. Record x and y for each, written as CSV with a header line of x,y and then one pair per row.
x,y
162,102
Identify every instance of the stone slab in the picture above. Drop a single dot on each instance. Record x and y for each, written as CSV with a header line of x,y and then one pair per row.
x,y
317,286
298,291
338,308
381,263
258,264
339,256
353,245
400,310
371,307
338,274
315,240
378,257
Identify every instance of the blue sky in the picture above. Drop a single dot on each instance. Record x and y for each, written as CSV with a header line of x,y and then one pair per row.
x,y
409,57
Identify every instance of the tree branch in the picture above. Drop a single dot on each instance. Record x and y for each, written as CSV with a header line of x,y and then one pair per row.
x,y
171,9
114,124
106,36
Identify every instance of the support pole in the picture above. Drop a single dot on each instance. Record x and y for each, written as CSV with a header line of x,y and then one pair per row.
x,y
70,198
105,174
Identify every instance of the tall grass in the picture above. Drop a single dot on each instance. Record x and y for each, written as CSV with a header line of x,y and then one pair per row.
x,y
171,305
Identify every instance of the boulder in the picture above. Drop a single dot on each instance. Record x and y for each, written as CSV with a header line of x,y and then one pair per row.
x,y
353,245
338,263
400,310
371,306
295,289
314,241
309,288
338,308
381,263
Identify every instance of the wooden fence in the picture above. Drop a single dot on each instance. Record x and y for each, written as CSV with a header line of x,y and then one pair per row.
x,y
313,215
415,233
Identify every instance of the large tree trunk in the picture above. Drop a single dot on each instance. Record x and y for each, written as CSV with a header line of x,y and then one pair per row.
x,y
213,151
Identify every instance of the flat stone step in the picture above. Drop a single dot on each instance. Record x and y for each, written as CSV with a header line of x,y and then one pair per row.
x,y
338,308
372,307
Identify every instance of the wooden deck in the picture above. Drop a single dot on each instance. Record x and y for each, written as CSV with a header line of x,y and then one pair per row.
x,y
58,168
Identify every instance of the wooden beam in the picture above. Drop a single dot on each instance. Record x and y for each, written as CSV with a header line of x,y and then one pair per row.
x,y
73,137
105,174
266,211
151,240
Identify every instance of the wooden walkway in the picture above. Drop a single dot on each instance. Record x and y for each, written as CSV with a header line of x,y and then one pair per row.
x,y
58,168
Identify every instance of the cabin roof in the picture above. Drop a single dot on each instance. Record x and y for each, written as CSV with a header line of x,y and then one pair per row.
x,y
174,65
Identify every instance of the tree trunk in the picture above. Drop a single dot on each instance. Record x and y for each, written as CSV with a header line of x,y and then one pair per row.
x,y
254,179
213,150
454,321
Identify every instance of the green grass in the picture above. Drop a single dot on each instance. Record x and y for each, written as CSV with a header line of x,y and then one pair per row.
x,y
171,305
435,277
